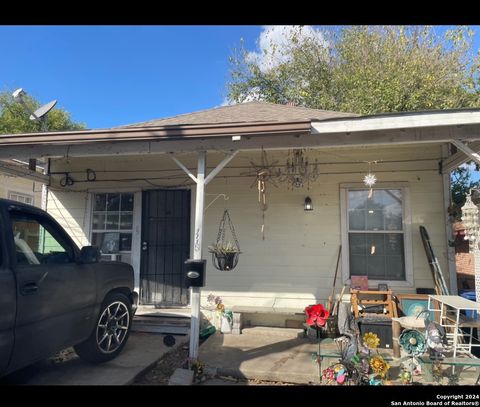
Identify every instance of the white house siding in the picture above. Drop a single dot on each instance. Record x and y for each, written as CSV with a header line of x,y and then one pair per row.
x,y
18,185
295,264
70,210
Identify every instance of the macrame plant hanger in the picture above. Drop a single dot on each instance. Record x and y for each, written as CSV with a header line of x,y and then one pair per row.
x,y
225,253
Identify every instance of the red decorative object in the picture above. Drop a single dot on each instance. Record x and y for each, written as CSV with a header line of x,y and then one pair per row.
x,y
316,315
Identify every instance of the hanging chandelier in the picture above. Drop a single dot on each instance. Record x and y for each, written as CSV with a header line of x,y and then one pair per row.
x,y
298,171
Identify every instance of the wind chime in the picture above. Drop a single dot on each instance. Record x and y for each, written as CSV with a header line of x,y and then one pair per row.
x,y
263,173
370,179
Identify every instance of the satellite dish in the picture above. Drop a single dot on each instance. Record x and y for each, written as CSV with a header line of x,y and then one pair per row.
x,y
43,110
18,93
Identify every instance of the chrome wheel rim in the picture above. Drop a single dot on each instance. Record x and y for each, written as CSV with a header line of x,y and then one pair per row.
x,y
112,327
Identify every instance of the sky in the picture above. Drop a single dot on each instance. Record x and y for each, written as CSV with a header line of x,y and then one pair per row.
x,y
113,75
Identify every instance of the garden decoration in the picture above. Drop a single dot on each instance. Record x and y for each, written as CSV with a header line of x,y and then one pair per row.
x,y
363,368
370,179
470,215
298,170
339,374
225,253
347,327
436,338
414,344
264,174
316,318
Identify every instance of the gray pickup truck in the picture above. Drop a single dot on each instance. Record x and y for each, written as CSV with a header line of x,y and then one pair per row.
x,y
53,295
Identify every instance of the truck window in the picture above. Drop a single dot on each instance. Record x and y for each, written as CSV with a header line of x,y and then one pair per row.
x,y
38,242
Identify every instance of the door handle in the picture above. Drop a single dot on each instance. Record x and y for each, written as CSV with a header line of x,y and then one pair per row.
x,y
144,246
29,288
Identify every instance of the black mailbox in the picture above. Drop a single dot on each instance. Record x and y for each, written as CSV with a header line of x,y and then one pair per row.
x,y
195,276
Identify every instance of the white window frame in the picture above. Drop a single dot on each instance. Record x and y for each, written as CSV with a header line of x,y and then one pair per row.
x,y
137,224
407,234
22,194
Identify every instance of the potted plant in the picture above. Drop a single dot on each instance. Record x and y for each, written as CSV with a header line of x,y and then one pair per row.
x,y
224,255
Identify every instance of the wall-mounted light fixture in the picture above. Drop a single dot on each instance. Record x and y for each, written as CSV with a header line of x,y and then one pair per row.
x,y
308,204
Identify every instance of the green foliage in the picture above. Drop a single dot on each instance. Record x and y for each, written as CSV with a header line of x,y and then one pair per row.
x,y
461,184
364,70
15,119
223,248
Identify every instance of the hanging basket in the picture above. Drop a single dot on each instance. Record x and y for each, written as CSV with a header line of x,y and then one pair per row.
x,y
225,253
225,261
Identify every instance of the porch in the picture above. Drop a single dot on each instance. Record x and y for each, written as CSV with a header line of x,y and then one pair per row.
x,y
288,254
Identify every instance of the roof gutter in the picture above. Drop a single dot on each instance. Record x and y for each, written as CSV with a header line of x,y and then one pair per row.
x,y
398,121
157,133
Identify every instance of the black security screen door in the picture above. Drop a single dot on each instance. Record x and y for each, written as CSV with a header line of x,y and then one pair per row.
x,y
165,247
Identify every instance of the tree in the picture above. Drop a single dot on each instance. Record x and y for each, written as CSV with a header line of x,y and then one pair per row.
x,y
15,119
361,69
461,185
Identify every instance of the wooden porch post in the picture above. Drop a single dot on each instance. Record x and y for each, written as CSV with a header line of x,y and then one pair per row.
x,y
201,181
452,269
197,253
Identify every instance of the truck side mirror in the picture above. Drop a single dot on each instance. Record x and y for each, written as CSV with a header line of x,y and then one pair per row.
x,y
89,254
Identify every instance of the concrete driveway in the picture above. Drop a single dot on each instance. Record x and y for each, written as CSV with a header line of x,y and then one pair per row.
x,y
140,353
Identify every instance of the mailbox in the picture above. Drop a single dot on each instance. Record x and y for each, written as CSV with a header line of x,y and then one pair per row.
x,y
195,273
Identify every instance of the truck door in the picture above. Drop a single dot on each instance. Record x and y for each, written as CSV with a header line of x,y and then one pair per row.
x,y
7,302
55,295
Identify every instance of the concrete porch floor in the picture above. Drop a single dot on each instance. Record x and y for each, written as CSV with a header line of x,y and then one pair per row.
x,y
273,354
280,355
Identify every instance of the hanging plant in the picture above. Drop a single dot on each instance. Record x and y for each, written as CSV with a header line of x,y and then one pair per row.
x,y
225,253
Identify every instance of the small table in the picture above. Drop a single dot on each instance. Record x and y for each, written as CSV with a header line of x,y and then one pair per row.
x,y
450,307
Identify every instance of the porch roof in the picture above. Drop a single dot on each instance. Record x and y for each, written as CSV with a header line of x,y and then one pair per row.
x,y
250,126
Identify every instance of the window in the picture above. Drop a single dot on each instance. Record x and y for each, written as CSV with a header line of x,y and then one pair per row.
x,y
376,233
112,224
38,242
15,196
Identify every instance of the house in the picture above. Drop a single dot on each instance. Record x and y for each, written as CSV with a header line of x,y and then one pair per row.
x,y
17,188
132,190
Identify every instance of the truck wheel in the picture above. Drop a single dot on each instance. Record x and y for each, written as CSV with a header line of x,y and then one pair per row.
x,y
111,331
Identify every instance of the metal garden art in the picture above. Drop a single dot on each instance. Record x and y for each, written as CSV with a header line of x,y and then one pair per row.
x,y
264,174
362,368
316,318
414,344
225,252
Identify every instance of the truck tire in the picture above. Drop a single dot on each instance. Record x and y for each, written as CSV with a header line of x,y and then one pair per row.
x,y
111,330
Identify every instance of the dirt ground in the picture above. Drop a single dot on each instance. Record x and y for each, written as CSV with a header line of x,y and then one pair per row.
x,y
164,368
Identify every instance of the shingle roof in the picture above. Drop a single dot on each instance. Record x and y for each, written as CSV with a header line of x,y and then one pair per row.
x,y
249,112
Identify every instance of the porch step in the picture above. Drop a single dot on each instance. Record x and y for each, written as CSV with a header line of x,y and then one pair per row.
x,y
161,324
288,333
151,310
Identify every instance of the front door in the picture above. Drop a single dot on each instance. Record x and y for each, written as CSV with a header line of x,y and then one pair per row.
x,y
165,247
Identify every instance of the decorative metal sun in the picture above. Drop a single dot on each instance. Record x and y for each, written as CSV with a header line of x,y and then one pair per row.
x,y
264,171
369,180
